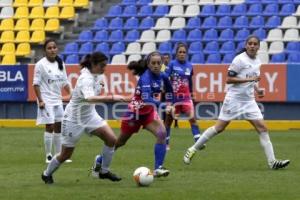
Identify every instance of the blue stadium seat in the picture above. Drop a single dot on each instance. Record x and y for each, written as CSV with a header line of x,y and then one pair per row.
x,y
100,24
146,23
209,22
131,23
145,11
252,1
228,58
117,48
257,22
273,22
128,2
225,22
132,36
269,1
293,57
85,36
292,47
241,22
161,10
195,48
194,35
223,10
242,35
165,47
240,46
179,35
271,10
193,23
143,2
239,10
116,23
101,36
114,11
71,48
103,47
86,48
287,1
226,35
260,33
210,34
208,10
227,47
72,59
116,36
197,58
255,9
129,11
287,9
278,58
211,47
213,58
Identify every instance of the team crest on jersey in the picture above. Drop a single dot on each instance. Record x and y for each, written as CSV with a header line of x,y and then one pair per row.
x,y
49,71
155,84
187,71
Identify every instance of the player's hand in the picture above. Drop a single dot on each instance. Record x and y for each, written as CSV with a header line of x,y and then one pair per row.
x,y
169,109
261,93
117,97
256,78
41,105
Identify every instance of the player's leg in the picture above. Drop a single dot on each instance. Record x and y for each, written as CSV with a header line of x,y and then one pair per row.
x,y
188,109
267,146
168,122
48,138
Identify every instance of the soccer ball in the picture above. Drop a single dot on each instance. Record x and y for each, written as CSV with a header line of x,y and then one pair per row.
x,y
143,176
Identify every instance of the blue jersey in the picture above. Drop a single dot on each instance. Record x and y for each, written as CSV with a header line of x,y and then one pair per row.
x,y
180,74
148,91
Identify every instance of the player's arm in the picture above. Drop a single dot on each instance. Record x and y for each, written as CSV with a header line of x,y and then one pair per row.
x,y
37,77
106,98
232,78
66,86
259,91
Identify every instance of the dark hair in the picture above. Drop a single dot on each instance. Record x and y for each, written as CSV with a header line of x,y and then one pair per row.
x,y
93,59
57,58
246,41
181,44
154,53
138,67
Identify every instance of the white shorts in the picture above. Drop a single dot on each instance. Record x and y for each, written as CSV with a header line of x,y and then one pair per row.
x,y
71,131
237,109
50,114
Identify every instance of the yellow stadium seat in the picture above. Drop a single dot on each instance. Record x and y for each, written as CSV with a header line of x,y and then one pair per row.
x,y
38,37
21,12
52,12
81,3
34,3
23,49
7,24
9,59
7,36
22,25
37,12
63,3
7,48
37,25
67,13
18,3
52,25
22,36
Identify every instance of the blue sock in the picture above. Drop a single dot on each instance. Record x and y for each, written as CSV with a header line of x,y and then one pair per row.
x,y
195,131
168,135
160,153
99,159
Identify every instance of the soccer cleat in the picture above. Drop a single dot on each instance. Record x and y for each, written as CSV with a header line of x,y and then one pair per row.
x,y
161,171
279,164
48,158
110,176
168,148
187,158
47,179
96,166
68,161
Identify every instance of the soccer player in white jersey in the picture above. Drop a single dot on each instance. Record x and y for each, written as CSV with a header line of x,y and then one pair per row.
x,y
49,79
239,103
81,116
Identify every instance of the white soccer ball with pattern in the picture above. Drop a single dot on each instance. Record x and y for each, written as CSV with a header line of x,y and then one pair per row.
x,y
143,176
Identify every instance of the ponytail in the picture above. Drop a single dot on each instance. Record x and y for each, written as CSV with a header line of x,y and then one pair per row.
x,y
138,67
93,59
60,63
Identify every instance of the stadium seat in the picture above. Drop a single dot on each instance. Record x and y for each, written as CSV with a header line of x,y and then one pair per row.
x,y
52,25
226,35
192,11
291,35
118,59
22,36
7,48
117,48
228,58
20,3
128,2
147,36
7,24
297,13
292,47
260,33
23,49
271,9
134,57
6,12
175,2
240,46
132,36
242,35
145,11
257,22
86,48
67,12
103,47
195,48
72,59
293,57
241,22
214,58
264,57
287,9
116,36
205,2
163,35
9,59
52,12
223,10
263,46
209,22
224,22
176,11
116,23
210,35
100,24
255,9
193,23
101,36
115,11
143,2
38,37
146,23
133,48
278,58
275,35
207,10
276,47
162,23
159,2
7,36
211,47
239,10
129,11
286,1
63,3
178,23
194,35
222,1
273,22
37,12
179,35
289,22
21,12
131,23
85,36
81,3
227,47
71,48
161,11
197,58
165,47
5,3
49,3
148,48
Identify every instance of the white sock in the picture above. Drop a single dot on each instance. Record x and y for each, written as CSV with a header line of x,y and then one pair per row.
x,y
267,146
208,133
57,142
107,154
48,142
52,167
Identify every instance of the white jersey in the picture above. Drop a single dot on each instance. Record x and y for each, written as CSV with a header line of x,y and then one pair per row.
x,y
51,81
245,67
87,85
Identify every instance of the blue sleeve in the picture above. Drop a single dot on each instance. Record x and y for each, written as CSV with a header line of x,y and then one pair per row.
x,y
168,88
169,69
191,81
146,92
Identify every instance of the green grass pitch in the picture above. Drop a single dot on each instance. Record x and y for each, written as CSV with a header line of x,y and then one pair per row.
x,y
233,166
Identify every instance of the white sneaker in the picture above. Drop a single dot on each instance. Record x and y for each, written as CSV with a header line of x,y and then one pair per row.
x,y
96,168
48,158
68,161
168,147
278,164
187,158
161,171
